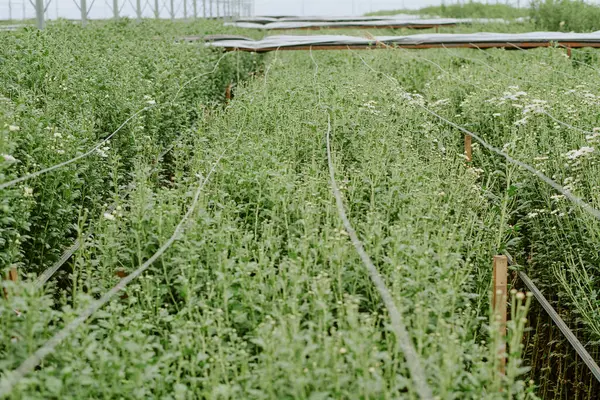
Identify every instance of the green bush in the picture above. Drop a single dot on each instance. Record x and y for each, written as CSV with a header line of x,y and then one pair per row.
x,y
565,15
469,10
67,88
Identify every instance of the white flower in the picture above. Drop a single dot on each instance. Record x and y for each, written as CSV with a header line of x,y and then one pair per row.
x,y
582,152
28,192
13,128
8,158
521,122
544,158
151,102
57,135
497,115
60,151
532,215
442,102
102,151
595,137
109,216
513,96
557,197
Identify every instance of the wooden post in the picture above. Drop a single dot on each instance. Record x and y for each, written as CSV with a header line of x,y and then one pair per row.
x,y
499,300
468,148
569,51
121,274
11,276
228,92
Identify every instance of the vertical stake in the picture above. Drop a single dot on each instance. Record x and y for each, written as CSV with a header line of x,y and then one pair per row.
x,y
499,300
468,148
121,274
228,92
11,276
569,52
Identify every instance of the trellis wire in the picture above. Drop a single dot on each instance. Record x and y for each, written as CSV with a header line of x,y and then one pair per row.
x,y
398,327
560,323
13,378
574,199
13,182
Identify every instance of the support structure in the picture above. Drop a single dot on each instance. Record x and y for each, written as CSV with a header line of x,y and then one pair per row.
x,y
115,9
39,13
499,305
11,276
84,12
468,148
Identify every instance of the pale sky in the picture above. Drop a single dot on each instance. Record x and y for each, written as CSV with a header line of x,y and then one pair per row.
x,y
100,8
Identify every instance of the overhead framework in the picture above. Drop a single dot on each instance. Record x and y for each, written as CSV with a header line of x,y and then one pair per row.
x,y
474,40
391,22
172,9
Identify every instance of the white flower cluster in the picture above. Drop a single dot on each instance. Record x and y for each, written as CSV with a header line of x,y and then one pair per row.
x,y
9,159
441,102
370,106
149,100
580,153
537,107
594,138
103,151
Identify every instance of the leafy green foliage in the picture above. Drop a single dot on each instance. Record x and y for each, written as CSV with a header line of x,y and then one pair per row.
x,y
566,15
65,89
471,9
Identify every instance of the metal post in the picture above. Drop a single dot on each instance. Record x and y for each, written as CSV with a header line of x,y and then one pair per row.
x,y
116,9
156,9
172,10
39,13
204,9
138,10
9,10
185,10
84,11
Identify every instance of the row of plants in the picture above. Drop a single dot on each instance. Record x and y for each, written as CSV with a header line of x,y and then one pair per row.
x,y
552,15
541,108
264,296
65,89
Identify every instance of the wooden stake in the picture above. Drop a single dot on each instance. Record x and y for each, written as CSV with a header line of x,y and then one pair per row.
x,y
121,274
11,276
569,51
228,92
468,148
499,300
